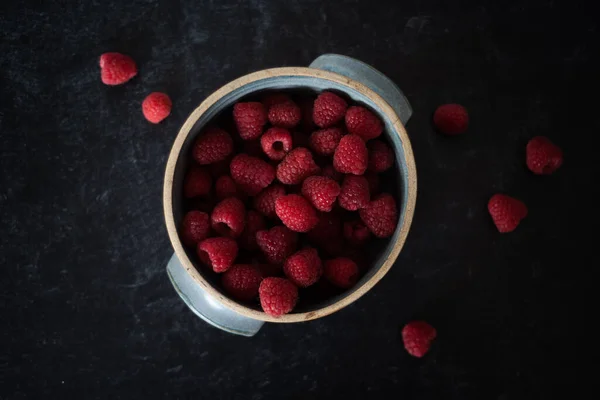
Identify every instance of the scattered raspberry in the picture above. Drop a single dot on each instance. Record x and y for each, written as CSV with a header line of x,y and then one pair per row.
x,y
321,192
264,202
296,213
250,118
197,182
116,68
381,215
156,107
354,193
330,172
225,187
275,98
285,115
212,145
351,156
543,156
451,119
342,272
381,156
242,281
219,253
251,174
229,217
277,243
276,143
278,296
195,227
329,109
373,180
325,141
297,165
506,212
304,267
363,123
417,337
356,232
254,223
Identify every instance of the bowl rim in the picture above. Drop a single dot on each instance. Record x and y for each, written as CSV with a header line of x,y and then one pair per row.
x,y
186,129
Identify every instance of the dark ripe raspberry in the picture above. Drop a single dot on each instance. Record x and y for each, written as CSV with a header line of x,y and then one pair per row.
x,y
242,281
225,187
362,122
212,145
254,222
381,215
197,182
285,115
373,180
195,227
451,119
381,156
275,98
251,174
543,156
342,272
321,192
507,212
417,337
304,267
277,243
351,156
297,165
229,217
356,232
325,141
278,296
219,253
328,109
354,193
264,202
330,172
250,118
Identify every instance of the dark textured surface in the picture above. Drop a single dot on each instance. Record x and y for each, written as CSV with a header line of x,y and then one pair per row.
x,y
87,309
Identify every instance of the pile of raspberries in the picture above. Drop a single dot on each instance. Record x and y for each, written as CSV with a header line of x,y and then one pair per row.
x,y
286,191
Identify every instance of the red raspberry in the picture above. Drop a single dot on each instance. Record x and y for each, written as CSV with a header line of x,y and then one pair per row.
x,y
356,232
254,223
285,115
277,243
275,98
276,143
156,107
543,156
296,213
325,141
451,119
225,187
229,217
373,180
351,156
381,215
329,109
250,118
242,281
342,272
321,192
354,193
381,156
363,123
264,202
116,68
212,145
304,267
251,174
219,253
195,227
197,182
278,296
330,172
297,165
506,212
417,337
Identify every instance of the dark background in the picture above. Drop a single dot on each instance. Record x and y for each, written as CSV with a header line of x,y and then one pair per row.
x,y
87,309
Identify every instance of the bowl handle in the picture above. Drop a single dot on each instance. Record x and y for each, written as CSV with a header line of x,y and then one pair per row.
x,y
368,76
207,308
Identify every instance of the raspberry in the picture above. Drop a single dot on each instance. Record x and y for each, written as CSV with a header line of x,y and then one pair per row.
x,y
264,202
275,98
543,156
195,227
451,119
304,267
242,281
330,172
327,229
373,180
356,232
342,272
250,118
417,337
116,68
381,156
278,296
197,182
219,253
320,191
213,145
285,115
229,217
277,243
254,223
354,193
296,213
251,174
506,212
363,123
325,141
276,143
156,107
225,187
297,165
328,109
351,156
381,215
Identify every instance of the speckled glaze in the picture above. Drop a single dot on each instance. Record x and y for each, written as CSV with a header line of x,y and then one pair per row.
x,y
361,83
